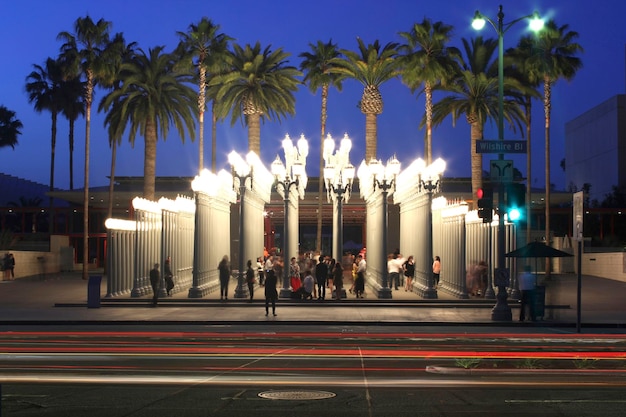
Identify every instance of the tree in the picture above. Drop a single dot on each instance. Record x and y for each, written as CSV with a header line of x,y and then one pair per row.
x,y
72,107
520,67
206,49
152,97
475,95
427,60
84,50
43,86
371,66
556,58
317,66
258,85
9,128
121,52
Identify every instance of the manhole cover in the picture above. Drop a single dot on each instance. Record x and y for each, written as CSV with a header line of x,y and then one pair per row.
x,y
296,395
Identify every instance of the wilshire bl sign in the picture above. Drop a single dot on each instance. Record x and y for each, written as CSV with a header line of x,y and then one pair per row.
x,y
500,146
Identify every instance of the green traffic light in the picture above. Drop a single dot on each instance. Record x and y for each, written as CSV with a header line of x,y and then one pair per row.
x,y
514,214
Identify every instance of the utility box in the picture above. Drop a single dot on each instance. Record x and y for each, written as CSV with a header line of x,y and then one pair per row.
x,y
93,291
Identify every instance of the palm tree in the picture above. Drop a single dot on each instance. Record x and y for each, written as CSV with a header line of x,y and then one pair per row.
x,y
43,86
72,107
519,66
371,66
556,58
475,94
152,97
121,53
317,67
9,128
84,50
258,85
427,60
203,47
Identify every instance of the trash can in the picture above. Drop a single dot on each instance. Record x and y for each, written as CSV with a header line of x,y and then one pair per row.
x,y
540,301
93,291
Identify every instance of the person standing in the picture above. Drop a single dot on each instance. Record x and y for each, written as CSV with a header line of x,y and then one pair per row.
x,y
359,284
409,272
155,282
168,275
12,266
261,270
321,276
527,288
338,280
269,264
224,269
394,266
294,275
250,279
271,294
436,270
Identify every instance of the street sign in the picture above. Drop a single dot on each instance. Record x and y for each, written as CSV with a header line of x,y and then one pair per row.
x,y
578,215
500,146
501,170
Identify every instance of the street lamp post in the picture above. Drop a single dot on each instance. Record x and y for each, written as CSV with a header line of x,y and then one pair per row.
x,y
241,172
287,175
384,179
429,180
338,178
502,311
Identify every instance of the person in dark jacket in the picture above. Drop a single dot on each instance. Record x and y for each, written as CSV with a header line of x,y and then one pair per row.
x,y
321,276
168,275
155,282
271,294
224,268
250,279
338,280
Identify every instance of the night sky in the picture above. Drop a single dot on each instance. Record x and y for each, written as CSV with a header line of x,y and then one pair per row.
x,y
28,32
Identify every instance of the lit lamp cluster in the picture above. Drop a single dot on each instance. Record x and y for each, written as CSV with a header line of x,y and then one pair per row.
x,y
290,174
338,179
372,177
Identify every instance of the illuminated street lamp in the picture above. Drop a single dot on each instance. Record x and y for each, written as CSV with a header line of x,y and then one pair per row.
x,y
291,173
338,179
376,176
502,311
242,172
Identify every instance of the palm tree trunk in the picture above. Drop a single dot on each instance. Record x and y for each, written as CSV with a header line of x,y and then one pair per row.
x,y
71,139
254,132
201,107
112,178
428,142
53,144
324,115
88,101
371,135
476,134
149,166
213,136
547,103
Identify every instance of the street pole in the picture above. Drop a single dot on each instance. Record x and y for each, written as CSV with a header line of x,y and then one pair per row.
x,y
285,292
239,291
385,292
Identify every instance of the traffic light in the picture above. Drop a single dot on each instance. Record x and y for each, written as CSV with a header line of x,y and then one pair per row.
x,y
485,204
515,201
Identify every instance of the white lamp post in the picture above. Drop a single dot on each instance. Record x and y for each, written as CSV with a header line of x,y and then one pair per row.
x,y
502,311
338,179
429,181
375,176
241,172
291,173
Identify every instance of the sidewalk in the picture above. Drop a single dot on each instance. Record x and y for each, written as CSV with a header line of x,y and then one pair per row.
x,y
62,298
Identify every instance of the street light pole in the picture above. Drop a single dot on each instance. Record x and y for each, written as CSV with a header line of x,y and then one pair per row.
x,y
241,172
287,175
502,311
338,178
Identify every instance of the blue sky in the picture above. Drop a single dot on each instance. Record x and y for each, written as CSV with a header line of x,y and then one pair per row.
x,y
28,33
